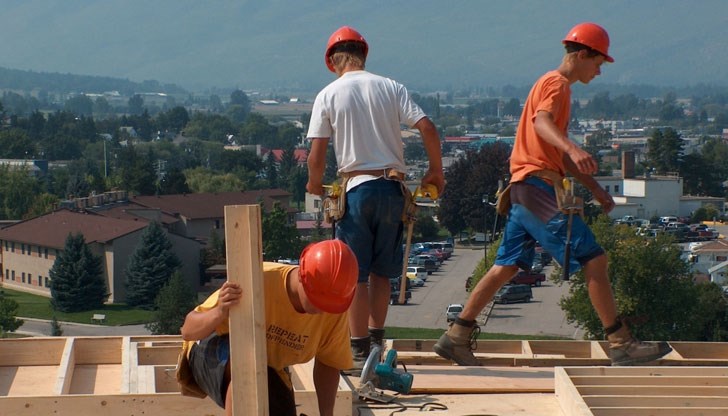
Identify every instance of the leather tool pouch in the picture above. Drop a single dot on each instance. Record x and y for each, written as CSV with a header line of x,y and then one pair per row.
x,y
503,204
334,206
186,381
409,213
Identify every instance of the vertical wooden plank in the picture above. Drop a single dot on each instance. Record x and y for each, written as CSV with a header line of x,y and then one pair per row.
x,y
66,368
126,365
248,358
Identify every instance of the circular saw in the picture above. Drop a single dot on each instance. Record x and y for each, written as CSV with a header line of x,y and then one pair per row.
x,y
383,375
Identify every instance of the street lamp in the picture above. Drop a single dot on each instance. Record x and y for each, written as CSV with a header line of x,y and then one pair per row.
x,y
485,227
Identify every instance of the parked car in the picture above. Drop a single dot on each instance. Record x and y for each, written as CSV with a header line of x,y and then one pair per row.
x,y
394,297
417,271
513,293
542,257
452,311
416,282
429,264
528,278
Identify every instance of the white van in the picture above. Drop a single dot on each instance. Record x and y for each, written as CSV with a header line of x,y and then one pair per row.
x,y
667,220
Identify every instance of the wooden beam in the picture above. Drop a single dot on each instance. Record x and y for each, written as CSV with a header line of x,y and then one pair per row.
x,y
66,368
570,400
248,358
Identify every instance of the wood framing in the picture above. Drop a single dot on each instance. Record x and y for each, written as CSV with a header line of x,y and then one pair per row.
x,y
553,353
638,391
248,357
115,376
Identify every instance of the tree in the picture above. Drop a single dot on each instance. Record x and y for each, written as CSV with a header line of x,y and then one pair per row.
x,y
214,253
468,179
80,105
649,280
174,182
150,267
8,311
175,300
56,330
280,238
173,120
135,105
425,227
15,144
77,280
664,148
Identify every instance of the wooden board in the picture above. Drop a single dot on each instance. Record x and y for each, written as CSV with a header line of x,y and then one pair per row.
x,y
248,359
558,353
611,391
471,380
88,376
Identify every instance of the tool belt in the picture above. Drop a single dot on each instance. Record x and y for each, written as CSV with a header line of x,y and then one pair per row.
x,y
503,203
409,211
566,202
388,173
334,204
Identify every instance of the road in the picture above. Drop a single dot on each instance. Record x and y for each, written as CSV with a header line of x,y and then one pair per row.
x,y
542,316
426,309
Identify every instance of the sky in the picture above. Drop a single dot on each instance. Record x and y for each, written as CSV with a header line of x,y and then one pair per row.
x,y
278,45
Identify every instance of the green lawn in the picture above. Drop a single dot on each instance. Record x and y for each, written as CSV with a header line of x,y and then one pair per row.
x,y
33,306
39,307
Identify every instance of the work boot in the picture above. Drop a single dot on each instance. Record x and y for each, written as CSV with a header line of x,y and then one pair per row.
x,y
377,338
459,342
624,349
360,348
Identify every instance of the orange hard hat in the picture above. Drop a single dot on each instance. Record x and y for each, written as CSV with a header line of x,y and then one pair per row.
x,y
591,35
343,34
329,273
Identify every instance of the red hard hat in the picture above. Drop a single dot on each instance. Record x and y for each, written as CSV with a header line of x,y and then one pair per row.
x,y
343,34
591,35
329,273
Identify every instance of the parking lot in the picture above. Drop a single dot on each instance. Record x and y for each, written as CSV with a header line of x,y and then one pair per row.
x,y
426,308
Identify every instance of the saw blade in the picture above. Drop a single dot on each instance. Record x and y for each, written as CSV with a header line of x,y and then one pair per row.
x,y
367,372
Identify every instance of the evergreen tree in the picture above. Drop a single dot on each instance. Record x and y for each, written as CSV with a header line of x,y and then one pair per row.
x,y
664,148
8,310
172,304
77,281
150,267
56,330
280,238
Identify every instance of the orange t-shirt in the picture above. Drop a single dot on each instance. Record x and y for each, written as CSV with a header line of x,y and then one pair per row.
x,y
551,93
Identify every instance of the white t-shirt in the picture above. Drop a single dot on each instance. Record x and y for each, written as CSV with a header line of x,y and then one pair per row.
x,y
362,113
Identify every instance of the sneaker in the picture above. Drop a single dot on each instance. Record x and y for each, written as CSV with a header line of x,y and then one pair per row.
x,y
636,352
458,343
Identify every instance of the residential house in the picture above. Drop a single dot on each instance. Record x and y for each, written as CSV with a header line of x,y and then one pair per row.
x,y
30,248
709,261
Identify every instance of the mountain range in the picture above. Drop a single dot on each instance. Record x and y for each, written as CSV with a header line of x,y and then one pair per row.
x,y
278,45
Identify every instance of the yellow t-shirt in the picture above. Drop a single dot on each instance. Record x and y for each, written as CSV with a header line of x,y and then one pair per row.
x,y
294,337
551,93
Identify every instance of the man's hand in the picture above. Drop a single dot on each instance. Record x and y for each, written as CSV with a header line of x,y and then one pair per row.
x,y
230,294
316,188
582,160
605,200
436,179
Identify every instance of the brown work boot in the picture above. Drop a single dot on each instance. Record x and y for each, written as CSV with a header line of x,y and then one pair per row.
x,y
458,342
624,349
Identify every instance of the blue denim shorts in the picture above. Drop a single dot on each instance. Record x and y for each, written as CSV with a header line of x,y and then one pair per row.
x,y
541,221
372,226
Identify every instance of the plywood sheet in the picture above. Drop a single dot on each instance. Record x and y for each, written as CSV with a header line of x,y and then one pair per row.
x,y
456,379
27,381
